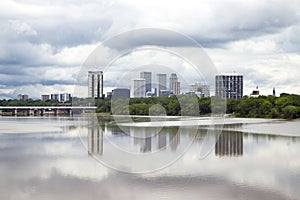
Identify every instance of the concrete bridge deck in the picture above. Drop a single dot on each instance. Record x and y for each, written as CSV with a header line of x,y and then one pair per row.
x,y
40,110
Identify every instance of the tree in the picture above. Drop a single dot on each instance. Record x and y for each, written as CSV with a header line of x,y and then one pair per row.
x,y
291,112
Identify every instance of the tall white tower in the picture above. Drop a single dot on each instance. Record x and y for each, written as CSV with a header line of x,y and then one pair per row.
x,y
95,82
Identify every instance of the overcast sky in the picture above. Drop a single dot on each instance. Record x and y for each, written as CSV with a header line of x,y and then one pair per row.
x,y
44,43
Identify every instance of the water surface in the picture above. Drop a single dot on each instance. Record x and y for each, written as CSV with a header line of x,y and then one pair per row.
x,y
94,158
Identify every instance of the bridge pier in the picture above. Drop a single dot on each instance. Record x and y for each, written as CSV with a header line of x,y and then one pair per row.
x,y
1,112
42,111
30,112
70,112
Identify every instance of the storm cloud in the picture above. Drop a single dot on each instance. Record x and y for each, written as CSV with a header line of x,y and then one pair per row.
x,y
45,43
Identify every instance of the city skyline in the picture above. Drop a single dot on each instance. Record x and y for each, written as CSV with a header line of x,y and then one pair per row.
x,y
198,88
139,99
37,56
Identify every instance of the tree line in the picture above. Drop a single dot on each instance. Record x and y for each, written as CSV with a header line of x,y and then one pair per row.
x,y
31,102
286,106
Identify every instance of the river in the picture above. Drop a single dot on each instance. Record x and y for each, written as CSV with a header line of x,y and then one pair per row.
x,y
148,158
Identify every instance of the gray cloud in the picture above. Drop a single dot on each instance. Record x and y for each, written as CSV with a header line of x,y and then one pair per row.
x,y
61,35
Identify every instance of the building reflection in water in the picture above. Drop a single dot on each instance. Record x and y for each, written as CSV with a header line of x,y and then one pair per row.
x,y
95,140
116,131
161,139
229,144
174,138
147,139
142,137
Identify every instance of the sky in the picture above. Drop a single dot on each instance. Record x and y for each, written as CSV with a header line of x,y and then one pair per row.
x,y
43,44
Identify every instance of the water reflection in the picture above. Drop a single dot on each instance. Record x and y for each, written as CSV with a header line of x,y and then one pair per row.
x,y
174,138
142,137
95,140
54,165
117,131
146,139
229,144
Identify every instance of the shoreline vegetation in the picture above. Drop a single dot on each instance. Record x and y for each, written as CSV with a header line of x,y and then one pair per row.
x,y
287,106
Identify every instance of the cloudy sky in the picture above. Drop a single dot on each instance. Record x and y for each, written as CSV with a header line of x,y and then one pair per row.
x,y
43,44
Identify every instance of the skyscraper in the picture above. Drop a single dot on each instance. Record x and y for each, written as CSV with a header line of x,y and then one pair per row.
x,y
174,84
120,93
147,76
201,90
23,97
95,81
161,83
229,86
138,88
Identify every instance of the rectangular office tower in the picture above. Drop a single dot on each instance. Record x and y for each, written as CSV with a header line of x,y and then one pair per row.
x,y
229,86
95,81
161,84
174,84
147,76
120,93
138,88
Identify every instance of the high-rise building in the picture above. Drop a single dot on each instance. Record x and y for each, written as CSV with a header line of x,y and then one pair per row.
x,y
161,83
23,97
95,82
201,90
229,86
174,84
59,97
120,93
65,97
147,76
45,97
54,97
138,88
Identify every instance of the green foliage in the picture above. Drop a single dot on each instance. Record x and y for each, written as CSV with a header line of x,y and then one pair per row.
x,y
103,105
291,112
286,106
231,105
204,105
29,102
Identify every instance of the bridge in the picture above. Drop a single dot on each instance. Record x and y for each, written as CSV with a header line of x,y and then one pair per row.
x,y
41,110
